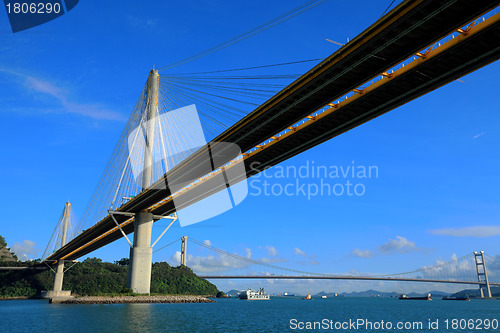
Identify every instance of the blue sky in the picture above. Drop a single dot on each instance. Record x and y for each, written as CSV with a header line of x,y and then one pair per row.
x,y
68,86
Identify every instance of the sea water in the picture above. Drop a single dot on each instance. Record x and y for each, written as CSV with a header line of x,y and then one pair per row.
x,y
280,314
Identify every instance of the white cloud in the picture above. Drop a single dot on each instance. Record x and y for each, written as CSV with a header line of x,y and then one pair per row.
x,y
94,111
400,245
311,258
271,251
207,242
210,263
493,267
214,263
456,269
139,23
273,260
362,253
175,260
26,250
45,87
476,231
478,135
299,252
90,110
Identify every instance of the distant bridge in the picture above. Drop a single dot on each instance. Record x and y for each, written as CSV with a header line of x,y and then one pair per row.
x,y
338,277
472,266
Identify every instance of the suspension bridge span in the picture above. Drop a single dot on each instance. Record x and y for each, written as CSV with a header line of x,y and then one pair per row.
x,y
467,270
339,277
404,54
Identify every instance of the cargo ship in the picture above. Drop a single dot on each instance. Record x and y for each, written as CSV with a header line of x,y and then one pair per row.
x,y
420,298
254,295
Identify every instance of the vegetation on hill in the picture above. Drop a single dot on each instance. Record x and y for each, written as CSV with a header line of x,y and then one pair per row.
x,y
5,254
95,277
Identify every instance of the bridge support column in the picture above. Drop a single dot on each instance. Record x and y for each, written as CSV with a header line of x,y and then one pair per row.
x,y
184,250
57,293
141,255
58,280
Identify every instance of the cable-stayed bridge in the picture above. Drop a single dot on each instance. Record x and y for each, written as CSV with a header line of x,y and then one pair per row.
x,y
159,166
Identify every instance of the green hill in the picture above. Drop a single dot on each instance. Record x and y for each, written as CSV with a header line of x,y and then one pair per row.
x,y
5,254
94,277
474,293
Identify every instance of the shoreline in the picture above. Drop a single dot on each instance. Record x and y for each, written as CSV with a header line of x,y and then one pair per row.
x,y
17,298
137,299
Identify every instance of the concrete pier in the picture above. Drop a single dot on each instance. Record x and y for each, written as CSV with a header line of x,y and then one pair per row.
x,y
141,255
58,279
57,294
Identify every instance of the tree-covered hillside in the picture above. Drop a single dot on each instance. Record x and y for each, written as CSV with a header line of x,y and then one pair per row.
x,y
94,277
5,254
474,293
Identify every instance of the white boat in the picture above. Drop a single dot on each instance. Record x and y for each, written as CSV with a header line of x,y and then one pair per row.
x,y
324,296
254,295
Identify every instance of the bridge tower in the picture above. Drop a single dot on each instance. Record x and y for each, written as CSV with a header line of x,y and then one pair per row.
x,y
184,250
141,254
57,291
58,280
482,274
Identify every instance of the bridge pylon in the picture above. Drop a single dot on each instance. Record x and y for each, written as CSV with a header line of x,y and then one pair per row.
x,y
184,250
57,291
141,253
482,274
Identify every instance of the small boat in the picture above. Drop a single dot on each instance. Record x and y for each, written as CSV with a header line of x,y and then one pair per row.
x,y
324,296
308,297
456,298
419,298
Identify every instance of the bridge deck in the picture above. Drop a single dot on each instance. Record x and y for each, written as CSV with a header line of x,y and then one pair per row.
x,y
460,56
